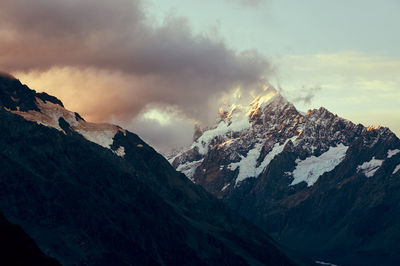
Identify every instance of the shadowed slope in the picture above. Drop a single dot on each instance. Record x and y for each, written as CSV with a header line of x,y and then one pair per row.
x,y
85,204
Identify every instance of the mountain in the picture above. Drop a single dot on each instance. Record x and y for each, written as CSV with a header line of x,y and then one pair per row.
x,y
96,194
17,248
317,183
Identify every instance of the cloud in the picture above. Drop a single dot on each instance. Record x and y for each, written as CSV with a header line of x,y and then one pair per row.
x,y
114,35
164,137
107,59
181,68
307,95
163,127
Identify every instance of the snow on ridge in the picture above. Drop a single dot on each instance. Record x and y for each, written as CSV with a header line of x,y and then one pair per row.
x,y
173,157
120,151
277,149
248,165
236,120
50,113
392,153
396,169
189,168
324,263
101,134
369,168
225,187
237,123
311,168
276,100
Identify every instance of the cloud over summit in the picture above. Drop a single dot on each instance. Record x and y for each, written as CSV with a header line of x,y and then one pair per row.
x,y
167,64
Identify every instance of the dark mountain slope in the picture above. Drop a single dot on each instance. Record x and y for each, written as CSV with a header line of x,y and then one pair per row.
x,y
83,203
17,248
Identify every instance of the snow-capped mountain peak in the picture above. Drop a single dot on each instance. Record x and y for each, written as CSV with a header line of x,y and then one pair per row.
x,y
247,140
303,177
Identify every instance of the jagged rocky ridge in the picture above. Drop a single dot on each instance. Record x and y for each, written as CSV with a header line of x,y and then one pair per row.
x,y
316,182
91,194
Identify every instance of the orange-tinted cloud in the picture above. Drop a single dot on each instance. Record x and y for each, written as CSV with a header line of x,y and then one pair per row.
x,y
105,60
127,62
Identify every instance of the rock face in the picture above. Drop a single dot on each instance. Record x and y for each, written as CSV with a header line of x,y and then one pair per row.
x,y
91,194
317,183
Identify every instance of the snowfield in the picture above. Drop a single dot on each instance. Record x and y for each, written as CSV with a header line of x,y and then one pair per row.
x,y
236,124
247,166
189,168
396,169
392,153
369,168
310,169
50,113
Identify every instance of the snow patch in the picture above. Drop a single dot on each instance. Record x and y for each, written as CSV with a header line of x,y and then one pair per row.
x,y
369,168
189,168
102,137
277,149
324,263
120,151
396,169
236,123
225,187
392,153
311,168
49,115
247,165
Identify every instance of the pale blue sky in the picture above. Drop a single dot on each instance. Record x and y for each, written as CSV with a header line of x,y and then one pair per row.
x,y
291,26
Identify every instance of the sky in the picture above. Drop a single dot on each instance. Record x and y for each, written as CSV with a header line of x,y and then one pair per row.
x,y
158,68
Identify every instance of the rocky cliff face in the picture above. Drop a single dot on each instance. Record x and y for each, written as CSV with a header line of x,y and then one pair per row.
x,y
316,182
95,194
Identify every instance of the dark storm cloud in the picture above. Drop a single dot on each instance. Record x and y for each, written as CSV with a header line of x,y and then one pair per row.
x,y
166,64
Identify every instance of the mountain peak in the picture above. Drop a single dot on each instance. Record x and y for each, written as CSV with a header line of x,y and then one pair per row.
x,y
49,111
86,196
278,98
270,100
284,163
18,97
5,75
267,126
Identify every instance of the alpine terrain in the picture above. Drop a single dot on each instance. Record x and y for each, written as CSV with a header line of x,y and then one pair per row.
x,y
317,183
96,194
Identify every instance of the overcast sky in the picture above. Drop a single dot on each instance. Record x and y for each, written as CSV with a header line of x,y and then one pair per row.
x,y
159,67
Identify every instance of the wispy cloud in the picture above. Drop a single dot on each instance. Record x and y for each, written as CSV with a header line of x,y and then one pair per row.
x,y
306,95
